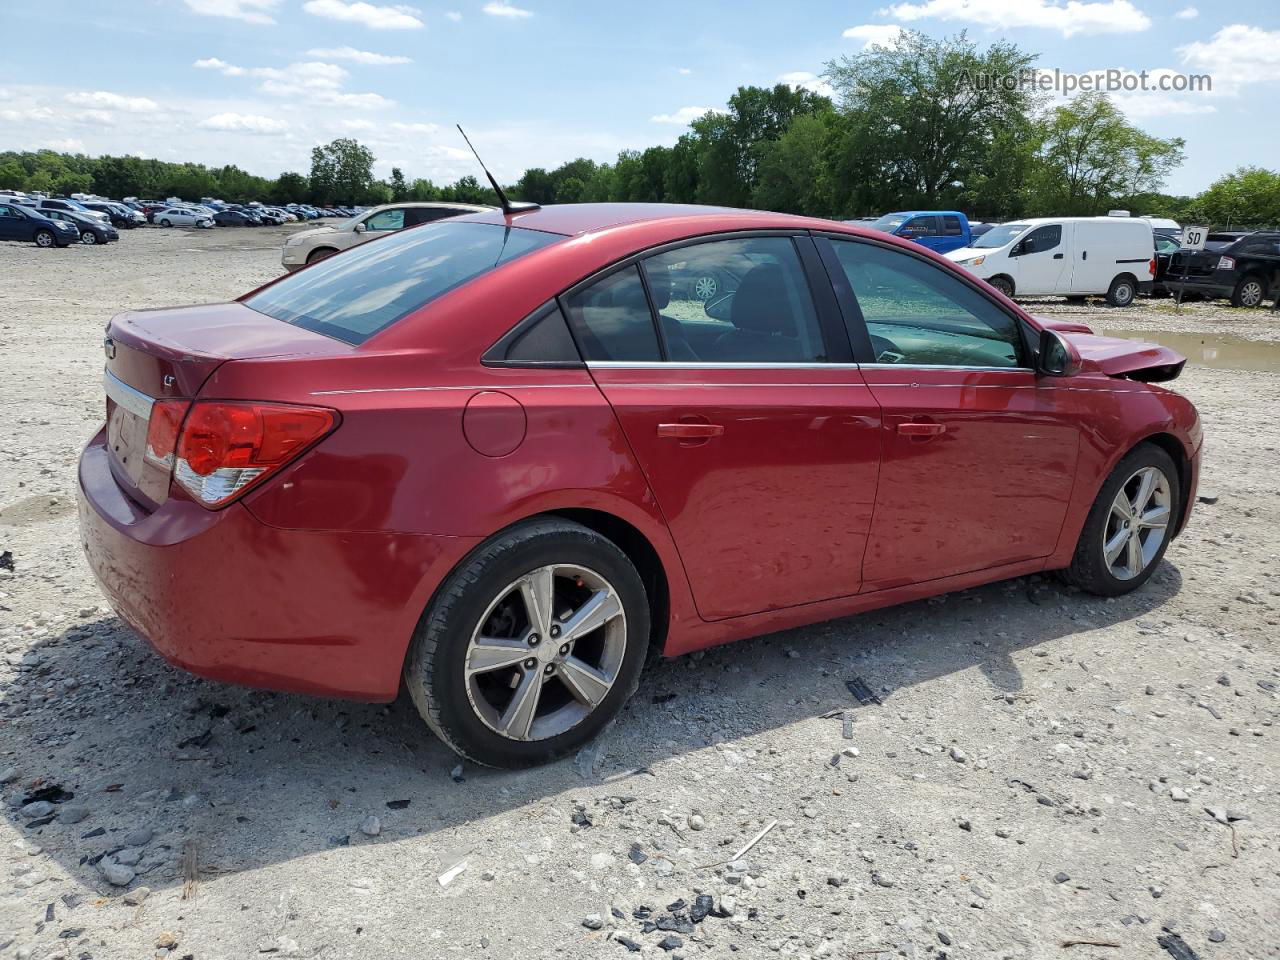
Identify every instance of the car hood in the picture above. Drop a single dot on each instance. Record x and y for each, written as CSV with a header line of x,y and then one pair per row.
x,y
312,232
965,253
1116,357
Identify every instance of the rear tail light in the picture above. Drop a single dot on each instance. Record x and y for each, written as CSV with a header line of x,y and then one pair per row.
x,y
1226,263
225,447
1151,266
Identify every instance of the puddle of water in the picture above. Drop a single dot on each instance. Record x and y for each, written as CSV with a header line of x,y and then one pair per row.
x,y
1210,350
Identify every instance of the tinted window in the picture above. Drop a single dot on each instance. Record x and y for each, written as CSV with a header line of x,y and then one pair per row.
x,y
545,340
371,286
611,319
951,227
742,301
917,314
1041,239
919,227
7,212
386,220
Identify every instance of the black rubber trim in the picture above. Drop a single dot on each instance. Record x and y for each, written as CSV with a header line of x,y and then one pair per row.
x,y
496,355
835,333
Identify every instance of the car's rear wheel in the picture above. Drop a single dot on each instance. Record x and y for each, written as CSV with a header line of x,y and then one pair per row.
x,y
320,253
88,236
1129,526
1249,292
531,646
1003,284
1122,291
166,223
45,238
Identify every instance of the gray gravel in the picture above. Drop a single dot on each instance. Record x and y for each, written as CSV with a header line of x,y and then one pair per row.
x,y
1045,766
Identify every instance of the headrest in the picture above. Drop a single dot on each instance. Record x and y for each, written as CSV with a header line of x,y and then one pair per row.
x,y
659,288
760,302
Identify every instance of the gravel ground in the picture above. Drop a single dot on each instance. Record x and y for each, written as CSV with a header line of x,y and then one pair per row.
x,y
1044,767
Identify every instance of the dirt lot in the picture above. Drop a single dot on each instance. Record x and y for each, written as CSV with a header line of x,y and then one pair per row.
x,y
1039,771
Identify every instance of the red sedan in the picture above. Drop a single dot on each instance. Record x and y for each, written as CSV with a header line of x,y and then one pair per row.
x,y
496,458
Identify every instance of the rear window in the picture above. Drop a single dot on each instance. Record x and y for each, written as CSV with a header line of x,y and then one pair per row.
x,y
370,287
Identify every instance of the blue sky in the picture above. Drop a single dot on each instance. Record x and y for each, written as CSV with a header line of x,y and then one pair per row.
x,y
537,82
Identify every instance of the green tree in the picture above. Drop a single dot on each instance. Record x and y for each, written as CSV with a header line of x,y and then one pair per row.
x,y
536,186
422,190
923,115
1091,157
1250,195
342,172
290,188
399,189
12,175
792,170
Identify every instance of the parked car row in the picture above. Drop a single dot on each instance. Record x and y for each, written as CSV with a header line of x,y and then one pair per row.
x,y
308,246
1116,256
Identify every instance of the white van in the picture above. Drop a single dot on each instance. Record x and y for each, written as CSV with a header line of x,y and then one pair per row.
x,y
1065,256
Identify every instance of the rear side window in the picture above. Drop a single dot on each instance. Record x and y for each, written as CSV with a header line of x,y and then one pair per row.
x,y
370,287
951,227
611,319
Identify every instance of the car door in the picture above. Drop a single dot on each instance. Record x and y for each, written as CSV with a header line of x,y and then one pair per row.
x,y
979,453
757,435
1041,259
12,224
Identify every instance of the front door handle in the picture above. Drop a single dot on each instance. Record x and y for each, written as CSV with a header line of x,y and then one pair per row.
x,y
690,431
922,429
1057,256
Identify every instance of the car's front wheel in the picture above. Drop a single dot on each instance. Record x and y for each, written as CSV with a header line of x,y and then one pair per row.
x,y
531,646
45,238
88,236
166,223
1003,284
1130,524
320,253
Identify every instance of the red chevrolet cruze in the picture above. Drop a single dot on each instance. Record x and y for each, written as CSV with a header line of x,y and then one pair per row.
x,y
499,457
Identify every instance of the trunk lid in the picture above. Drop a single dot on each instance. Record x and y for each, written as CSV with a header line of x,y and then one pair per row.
x,y
168,354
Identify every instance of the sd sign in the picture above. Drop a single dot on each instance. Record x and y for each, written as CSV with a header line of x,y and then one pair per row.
x,y
1193,237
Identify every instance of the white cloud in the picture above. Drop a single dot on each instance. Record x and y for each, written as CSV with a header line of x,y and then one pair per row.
x,y
29,114
804,80
683,116
1236,56
359,101
113,101
453,15
358,56
250,11
69,145
415,127
213,63
683,71
1187,13
318,82
244,123
1070,18
398,17
499,8
875,34
95,117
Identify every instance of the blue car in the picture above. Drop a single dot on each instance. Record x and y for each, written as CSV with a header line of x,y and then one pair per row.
x,y
25,224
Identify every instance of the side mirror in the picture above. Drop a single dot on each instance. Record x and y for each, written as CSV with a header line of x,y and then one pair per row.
x,y
360,228
1057,357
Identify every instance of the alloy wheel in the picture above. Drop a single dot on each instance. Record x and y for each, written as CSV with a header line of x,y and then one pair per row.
x,y
704,288
88,237
546,652
1251,294
44,239
1138,523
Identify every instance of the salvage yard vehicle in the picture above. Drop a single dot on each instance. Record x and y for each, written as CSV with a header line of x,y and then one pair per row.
x,y
1245,269
91,229
1065,256
183,217
939,230
66,203
308,246
500,456
18,222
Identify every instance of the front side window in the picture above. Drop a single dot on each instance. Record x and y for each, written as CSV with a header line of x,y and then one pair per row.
x,y
919,315
918,227
374,285
740,300
386,220
999,236
1041,239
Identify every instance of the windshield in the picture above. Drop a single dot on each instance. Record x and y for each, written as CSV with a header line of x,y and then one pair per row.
x,y
999,236
889,222
370,287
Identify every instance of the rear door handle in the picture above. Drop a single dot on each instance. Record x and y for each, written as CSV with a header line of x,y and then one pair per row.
x,y
922,429
690,431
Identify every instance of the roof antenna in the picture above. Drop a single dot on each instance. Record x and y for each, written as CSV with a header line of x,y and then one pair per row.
x,y
508,206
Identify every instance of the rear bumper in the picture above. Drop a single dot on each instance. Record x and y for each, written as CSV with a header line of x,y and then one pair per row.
x,y
225,596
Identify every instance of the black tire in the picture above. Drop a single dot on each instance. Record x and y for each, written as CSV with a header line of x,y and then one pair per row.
x,y
434,668
1003,284
1089,569
45,238
165,223
320,253
1250,291
1122,291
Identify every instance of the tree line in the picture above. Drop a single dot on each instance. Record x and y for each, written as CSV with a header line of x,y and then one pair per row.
x,y
904,127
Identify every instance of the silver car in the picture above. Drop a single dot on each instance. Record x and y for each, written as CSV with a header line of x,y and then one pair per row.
x,y
308,246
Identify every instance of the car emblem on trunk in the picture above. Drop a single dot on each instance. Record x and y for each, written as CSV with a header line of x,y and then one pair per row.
x,y
109,348
169,381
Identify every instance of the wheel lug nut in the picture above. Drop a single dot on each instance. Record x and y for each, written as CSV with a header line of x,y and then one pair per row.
x,y
530,663
534,639
564,650
555,631
550,668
